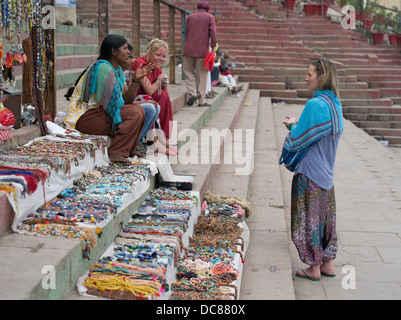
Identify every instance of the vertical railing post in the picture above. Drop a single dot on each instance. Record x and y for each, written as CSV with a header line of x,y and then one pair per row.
x,y
183,40
171,37
136,27
156,19
103,20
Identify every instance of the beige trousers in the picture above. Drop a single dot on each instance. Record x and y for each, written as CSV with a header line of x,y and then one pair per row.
x,y
195,77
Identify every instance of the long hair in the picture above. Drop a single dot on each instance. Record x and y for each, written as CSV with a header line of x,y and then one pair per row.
x,y
110,42
326,70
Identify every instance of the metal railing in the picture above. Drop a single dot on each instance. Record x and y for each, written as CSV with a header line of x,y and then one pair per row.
x,y
171,26
136,27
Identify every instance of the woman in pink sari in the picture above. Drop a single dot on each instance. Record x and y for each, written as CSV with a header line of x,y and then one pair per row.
x,y
155,85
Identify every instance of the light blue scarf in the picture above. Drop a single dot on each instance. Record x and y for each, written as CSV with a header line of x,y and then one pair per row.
x,y
322,115
107,84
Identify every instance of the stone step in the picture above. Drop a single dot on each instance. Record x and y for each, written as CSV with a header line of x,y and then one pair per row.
x,y
373,71
244,35
272,86
380,120
384,102
254,78
301,78
373,110
385,84
380,133
372,78
77,50
249,71
396,100
272,52
392,140
256,28
321,45
377,124
346,94
368,49
278,94
75,62
323,37
229,43
368,62
390,92
294,71
260,60
361,55
342,85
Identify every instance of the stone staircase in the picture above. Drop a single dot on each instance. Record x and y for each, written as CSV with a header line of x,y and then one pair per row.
x,y
272,55
272,48
275,52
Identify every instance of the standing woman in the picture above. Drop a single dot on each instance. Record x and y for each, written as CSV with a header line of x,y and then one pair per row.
x,y
155,85
313,206
101,105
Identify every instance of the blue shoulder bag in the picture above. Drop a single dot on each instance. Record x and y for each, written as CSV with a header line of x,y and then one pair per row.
x,y
291,160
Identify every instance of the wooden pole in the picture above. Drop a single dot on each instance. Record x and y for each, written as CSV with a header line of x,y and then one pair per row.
x,y
103,20
136,27
183,40
171,44
156,19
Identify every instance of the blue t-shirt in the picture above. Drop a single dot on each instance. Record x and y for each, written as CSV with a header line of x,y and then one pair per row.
x,y
318,163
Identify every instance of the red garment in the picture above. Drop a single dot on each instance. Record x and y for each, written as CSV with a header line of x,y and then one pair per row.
x,y
209,61
163,99
201,34
226,73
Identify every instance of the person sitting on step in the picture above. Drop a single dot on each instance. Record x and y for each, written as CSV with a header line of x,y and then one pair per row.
x,y
100,103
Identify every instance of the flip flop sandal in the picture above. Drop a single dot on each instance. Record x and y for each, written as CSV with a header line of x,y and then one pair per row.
x,y
327,275
305,276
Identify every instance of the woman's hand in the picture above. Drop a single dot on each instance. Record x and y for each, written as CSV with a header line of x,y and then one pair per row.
x,y
164,79
143,72
289,121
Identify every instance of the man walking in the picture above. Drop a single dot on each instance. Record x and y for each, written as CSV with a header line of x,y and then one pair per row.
x,y
201,35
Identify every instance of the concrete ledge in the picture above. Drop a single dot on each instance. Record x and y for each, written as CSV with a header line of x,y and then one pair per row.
x,y
20,137
220,116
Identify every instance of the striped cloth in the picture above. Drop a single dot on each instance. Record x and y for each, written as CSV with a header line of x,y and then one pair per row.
x,y
107,85
322,115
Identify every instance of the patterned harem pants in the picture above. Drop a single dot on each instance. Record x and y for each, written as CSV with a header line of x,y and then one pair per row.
x,y
313,221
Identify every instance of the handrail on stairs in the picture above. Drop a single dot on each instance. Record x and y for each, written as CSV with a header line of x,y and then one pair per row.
x,y
103,26
157,29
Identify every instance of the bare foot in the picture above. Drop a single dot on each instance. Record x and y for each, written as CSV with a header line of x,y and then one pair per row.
x,y
312,272
327,268
118,159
